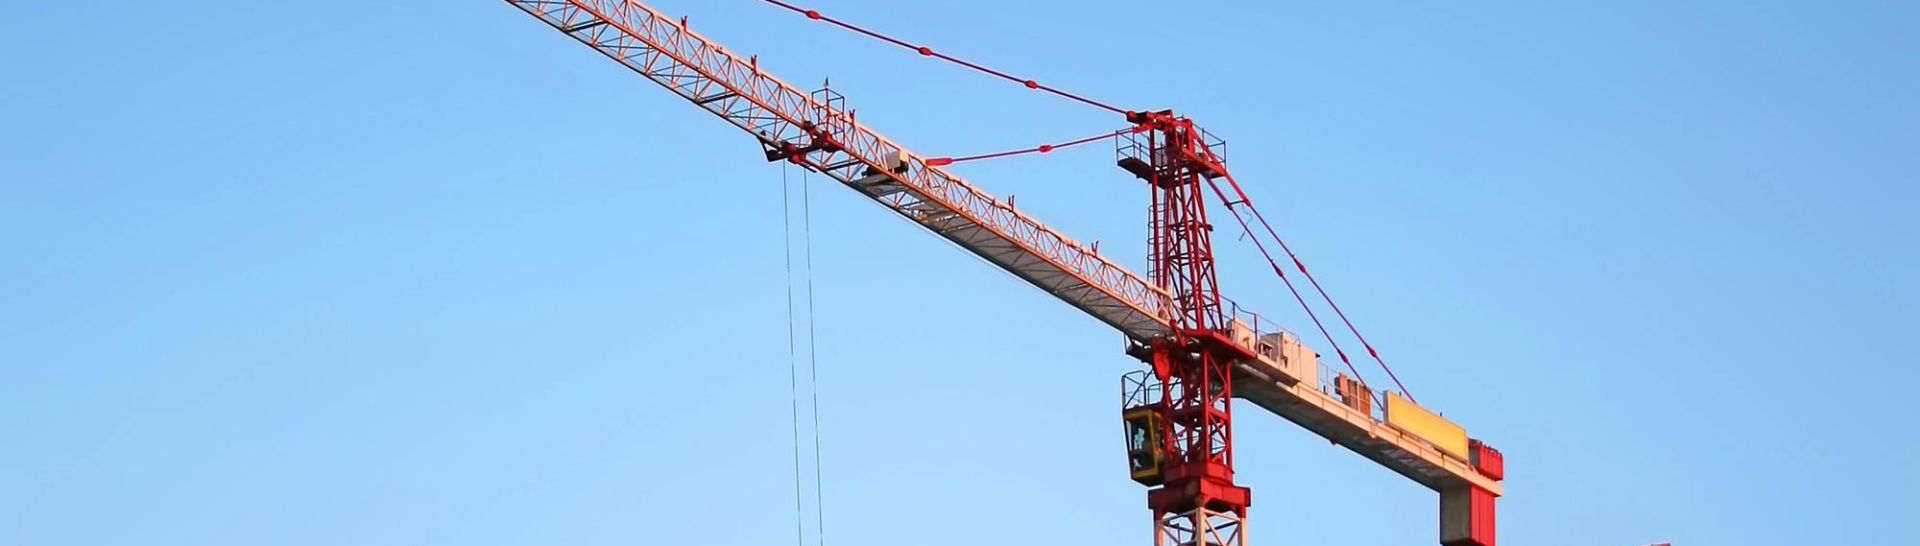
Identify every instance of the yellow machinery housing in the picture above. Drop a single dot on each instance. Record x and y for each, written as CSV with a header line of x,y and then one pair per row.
x,y
1405,415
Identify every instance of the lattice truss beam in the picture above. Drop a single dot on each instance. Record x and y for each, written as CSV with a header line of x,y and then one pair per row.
x,y
1201,527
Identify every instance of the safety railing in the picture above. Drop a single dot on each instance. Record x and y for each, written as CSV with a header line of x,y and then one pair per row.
x,y
1143,146
1376,407
1260,328
1139,388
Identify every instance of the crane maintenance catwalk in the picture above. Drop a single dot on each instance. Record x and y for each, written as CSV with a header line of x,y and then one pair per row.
x,y
1177,317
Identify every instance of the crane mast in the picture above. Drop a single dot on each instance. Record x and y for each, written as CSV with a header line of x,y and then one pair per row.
x,y
1202,349
1196,501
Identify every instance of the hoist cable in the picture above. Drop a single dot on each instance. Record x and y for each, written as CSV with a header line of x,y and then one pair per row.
x,y
793,366
813,361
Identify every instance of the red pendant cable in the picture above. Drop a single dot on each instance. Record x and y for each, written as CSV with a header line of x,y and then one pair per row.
x,y
1289,282
1243,200
1302,266
929,52
1041,149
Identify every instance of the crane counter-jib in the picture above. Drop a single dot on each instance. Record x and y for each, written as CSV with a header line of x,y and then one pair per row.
x,y
814,130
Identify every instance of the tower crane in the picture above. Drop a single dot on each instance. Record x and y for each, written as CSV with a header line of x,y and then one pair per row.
x,y
1202,350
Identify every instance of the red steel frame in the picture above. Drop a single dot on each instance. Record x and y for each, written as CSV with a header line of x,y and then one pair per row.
x,y
1197,503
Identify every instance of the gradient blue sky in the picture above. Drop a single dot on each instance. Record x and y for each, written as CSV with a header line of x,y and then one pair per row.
x,y
405,273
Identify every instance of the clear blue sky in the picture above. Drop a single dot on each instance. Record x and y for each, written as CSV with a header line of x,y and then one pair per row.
x,y
406,273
